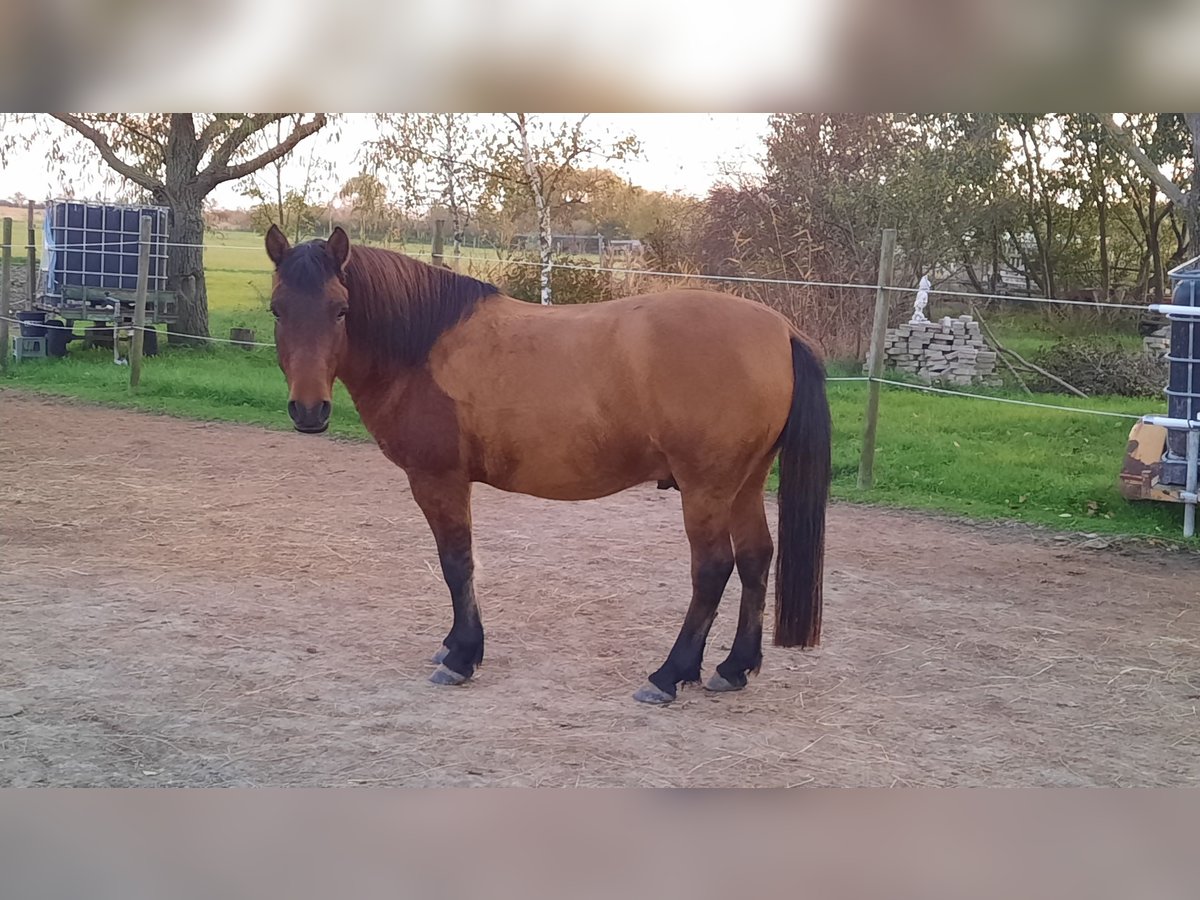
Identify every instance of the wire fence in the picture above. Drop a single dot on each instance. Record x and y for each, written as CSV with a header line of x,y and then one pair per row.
x,y
735,279
862,379
151,327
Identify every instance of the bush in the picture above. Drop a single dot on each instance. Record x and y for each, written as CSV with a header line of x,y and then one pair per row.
x,y
1101,367
582,285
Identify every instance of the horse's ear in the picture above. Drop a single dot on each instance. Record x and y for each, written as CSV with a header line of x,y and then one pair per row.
x,y
277,245
338,247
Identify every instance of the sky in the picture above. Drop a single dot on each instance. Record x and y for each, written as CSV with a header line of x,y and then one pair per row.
x,y
684,152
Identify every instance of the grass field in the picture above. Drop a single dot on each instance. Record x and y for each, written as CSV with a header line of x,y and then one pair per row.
x,y
972,457
20,231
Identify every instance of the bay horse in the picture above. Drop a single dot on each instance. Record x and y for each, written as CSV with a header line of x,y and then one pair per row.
x,y
459,383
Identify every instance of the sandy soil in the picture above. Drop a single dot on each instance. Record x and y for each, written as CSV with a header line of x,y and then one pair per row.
x,y
194,604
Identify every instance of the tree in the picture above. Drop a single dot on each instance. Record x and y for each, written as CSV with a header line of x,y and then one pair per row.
x,y
178,159
436,158
830,183
834,180
291,208
496,168
617,208
532,157
367,199
292,212
1188,201
1166,141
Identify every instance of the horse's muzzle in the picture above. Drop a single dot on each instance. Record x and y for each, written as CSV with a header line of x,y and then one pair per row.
x,y
310,419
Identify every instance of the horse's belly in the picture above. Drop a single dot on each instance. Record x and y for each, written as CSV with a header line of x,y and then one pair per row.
x,y
562,471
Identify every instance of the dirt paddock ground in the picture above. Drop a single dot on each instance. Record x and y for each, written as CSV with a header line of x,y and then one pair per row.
x,y
194,604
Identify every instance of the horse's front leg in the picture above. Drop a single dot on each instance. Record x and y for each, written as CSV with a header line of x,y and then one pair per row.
x,y
446,502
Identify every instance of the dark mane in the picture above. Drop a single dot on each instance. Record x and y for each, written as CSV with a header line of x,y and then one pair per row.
x,y
399,306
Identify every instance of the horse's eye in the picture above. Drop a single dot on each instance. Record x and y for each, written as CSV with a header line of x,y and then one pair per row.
x,y
342,313
274,311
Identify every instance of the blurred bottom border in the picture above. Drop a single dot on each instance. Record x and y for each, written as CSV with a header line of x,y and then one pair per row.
x,y
919,843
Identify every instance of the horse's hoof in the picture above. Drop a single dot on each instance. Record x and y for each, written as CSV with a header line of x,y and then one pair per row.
x,y
651,694
720,685
439,656
442,675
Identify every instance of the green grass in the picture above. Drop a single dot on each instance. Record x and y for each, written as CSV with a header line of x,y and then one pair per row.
x,y
970,457
996,461
224,384
20,231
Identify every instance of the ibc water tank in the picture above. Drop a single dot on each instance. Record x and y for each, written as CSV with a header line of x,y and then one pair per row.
x,y
1183,384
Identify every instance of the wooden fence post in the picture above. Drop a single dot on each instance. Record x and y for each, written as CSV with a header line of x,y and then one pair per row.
x,y
31,259
439,247
139,304
5,273
866,464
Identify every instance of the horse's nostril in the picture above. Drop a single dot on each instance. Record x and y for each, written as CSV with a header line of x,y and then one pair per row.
x,y
310,419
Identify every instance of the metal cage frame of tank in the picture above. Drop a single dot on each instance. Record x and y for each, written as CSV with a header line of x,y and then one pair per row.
x,y
105,302
1162,458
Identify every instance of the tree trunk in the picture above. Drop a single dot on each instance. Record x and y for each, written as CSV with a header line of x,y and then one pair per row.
x,y
537,189
187,228
1027,265
995,276
456,229
1156,261
545,245
972,277
1193,206
457,225
282,220
1105,265
185,235
1044,249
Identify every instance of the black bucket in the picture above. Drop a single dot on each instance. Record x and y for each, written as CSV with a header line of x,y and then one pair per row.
x,y
58,335
1183,385
31,323
150,341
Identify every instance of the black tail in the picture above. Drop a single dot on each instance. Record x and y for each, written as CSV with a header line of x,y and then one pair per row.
x,y
804,473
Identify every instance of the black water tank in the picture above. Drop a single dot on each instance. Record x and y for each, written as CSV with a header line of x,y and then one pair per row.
x,y
32,323
1183,385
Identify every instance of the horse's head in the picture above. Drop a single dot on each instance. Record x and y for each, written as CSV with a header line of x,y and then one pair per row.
x,y
309,301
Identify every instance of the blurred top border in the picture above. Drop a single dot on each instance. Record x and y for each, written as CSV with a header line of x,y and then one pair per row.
x,y
620,55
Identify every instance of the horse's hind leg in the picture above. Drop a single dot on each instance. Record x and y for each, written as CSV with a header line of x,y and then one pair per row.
x,y
752,550
446,502
706,519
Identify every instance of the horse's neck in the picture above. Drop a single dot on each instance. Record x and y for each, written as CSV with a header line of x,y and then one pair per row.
x,y
369,380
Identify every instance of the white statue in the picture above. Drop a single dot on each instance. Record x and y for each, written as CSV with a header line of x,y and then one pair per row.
x,y
918,316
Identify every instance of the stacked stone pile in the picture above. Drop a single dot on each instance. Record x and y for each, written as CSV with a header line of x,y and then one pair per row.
x,y
17,280
949,350
1158,343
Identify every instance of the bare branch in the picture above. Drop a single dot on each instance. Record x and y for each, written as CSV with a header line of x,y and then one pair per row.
x,y
101,143
212,129
245,128
218,170
1125,141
